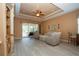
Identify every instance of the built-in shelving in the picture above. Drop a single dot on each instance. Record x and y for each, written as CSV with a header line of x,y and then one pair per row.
x,y
8,30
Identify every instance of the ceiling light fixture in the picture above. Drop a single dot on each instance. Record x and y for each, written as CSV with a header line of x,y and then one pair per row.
x,y
37,14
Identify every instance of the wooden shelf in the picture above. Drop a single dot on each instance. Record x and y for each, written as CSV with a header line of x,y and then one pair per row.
x,y
8,30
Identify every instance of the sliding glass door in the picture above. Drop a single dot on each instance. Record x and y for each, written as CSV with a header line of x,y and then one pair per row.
x,y
28,27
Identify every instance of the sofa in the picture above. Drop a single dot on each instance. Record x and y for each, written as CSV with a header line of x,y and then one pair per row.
x,y
52,38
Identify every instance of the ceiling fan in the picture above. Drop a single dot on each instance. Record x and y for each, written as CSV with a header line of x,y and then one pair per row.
x,y
38,13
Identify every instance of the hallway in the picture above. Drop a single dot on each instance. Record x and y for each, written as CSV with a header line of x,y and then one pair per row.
x,y
32,47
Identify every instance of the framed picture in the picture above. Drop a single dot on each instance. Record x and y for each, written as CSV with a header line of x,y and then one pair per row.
x,y
54,27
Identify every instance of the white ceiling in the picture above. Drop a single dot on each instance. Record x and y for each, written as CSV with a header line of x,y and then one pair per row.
x,y
50,10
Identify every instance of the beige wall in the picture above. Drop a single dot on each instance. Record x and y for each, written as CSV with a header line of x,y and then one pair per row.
x,y
68,23
3,29
18,26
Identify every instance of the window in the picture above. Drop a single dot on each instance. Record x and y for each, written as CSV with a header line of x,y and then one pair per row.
x,y
33,27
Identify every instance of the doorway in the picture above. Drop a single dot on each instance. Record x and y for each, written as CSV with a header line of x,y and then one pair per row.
x,y
29,27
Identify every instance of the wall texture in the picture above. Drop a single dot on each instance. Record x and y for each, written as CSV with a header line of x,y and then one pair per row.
x,y
68,23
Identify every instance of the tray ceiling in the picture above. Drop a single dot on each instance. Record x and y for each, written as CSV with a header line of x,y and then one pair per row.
x,y
45,8
50,10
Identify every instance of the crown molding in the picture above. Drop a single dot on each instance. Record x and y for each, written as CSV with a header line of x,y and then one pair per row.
x,y
24,16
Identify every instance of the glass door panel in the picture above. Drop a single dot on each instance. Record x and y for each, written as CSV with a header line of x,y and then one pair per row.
x,y
25,30
28,27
